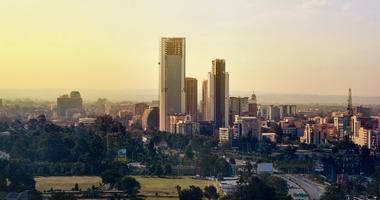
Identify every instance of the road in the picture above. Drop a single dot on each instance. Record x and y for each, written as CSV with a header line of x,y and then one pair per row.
x,y
294,189
314,190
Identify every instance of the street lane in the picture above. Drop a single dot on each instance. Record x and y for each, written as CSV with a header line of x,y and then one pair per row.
x,y
314,190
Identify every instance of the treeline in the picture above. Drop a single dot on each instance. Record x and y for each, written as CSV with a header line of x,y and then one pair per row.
x,y
47,149
254,187
15,177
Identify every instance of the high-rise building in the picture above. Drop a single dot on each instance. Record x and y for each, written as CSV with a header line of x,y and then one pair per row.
x,y
67,105
205,103
247,127
172,79
252,106
140,108
218,94
150,119
191,90
349,113
288,111
274,113
362,111
238,106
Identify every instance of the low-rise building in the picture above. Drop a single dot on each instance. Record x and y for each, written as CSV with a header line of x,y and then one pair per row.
x,y
264,168
183,124
272,137
224,135
247,127
4,155
229,185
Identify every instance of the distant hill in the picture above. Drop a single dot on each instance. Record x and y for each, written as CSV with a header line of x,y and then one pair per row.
x,y
152,94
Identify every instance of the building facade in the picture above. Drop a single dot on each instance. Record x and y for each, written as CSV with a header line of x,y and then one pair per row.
x,y
238,106
140,108
68,106
183,124
252,106
247,127
191,90
204,102
172,79
150,119
218,94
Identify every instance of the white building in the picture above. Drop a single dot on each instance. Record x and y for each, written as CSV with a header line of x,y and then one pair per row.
x,y
183,124
264,168
229,185
224,135
315,134
4,156
272,137
172,79
374,139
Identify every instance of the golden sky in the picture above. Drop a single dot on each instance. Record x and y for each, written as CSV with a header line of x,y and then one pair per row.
x,y
295,46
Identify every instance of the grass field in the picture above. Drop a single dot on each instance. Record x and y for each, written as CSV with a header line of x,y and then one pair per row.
x,y
66,182
167,186
164,187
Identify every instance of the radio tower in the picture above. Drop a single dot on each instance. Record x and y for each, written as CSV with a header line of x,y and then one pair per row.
x,y
349,106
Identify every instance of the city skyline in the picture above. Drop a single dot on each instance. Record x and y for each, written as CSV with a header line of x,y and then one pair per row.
x,y
312,55
200,99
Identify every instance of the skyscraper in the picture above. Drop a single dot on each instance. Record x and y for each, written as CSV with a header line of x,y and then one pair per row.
x,y
67,105
252,106
238,106
205,102
191,90
140,108
172,79
349,113
218,91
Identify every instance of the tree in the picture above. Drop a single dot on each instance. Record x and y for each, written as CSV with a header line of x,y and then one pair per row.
x,y
192,193
189,153
210,192
62,196
130,185
168,169
280,186
111,177
76,187
332,193
35,195
254,189
374,187
232,161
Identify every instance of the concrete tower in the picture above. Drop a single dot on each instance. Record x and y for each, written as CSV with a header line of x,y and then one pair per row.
x,y
172,79
218,97
191,90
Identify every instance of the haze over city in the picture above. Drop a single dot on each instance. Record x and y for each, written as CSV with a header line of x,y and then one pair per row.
x,y
298,46
190,100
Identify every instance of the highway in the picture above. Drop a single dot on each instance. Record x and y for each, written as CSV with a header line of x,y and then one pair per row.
x,y
314,190
294,189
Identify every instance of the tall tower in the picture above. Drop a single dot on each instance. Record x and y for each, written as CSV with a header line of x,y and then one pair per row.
x,y
349,106
252,105
347,124
172,79
191,90
219,94
205,103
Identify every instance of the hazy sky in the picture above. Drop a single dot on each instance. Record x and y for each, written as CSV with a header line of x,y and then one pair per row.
x,y
288,46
